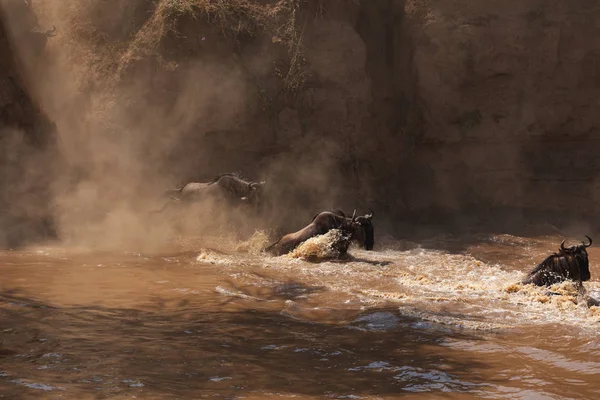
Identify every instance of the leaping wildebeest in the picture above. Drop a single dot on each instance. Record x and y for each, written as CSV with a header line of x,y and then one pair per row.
x,y
359,229
225,187
570,263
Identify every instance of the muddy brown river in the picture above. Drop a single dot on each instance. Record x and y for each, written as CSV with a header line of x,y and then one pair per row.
x,y
441,318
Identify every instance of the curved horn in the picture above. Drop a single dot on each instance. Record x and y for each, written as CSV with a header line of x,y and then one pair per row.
x,y
354,215
562,245
51,32
590,239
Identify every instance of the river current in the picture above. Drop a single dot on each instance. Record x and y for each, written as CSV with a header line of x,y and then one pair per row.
x,y
437,318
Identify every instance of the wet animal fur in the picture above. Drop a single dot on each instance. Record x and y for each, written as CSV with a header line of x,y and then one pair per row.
x,y
569,263
322,223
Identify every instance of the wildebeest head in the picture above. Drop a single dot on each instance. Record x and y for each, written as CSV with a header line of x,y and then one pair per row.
x,y
570,263
579,253
363,230
255,192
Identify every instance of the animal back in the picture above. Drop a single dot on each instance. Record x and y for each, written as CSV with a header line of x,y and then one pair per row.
x,y
195,191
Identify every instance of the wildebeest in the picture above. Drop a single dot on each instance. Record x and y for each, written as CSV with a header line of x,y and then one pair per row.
x,y
225,187
570,263
359,229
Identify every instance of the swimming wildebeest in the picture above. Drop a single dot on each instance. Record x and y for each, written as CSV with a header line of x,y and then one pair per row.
x,y
224,187
570,263
356,228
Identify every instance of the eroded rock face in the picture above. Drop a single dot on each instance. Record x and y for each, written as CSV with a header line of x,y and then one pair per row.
x,y
26,155
509,95
19,17
23,28
440,108
415,108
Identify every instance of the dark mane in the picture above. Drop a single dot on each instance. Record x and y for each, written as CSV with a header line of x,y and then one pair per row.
x,y
235,175
569,263
545,264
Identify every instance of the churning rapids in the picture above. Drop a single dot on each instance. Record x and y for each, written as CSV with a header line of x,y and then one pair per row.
x,y
444,317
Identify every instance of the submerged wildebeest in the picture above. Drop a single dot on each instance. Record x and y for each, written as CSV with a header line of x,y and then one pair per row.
x,y
225,187
570,263
356,228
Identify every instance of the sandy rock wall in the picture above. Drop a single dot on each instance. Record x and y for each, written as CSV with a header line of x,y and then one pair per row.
x,y
26,159
509,96
424,110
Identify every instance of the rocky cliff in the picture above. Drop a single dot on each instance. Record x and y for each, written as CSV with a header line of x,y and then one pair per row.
x,y
508,95
424,110
26,151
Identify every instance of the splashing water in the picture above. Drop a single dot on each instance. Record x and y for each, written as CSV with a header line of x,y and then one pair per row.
x,y
255,245
434,285
320,246
444,315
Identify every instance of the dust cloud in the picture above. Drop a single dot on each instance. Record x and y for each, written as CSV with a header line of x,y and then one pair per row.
x,y
148,96
135,120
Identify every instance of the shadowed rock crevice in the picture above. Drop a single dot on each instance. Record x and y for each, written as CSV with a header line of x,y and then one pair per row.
x,y
27,157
